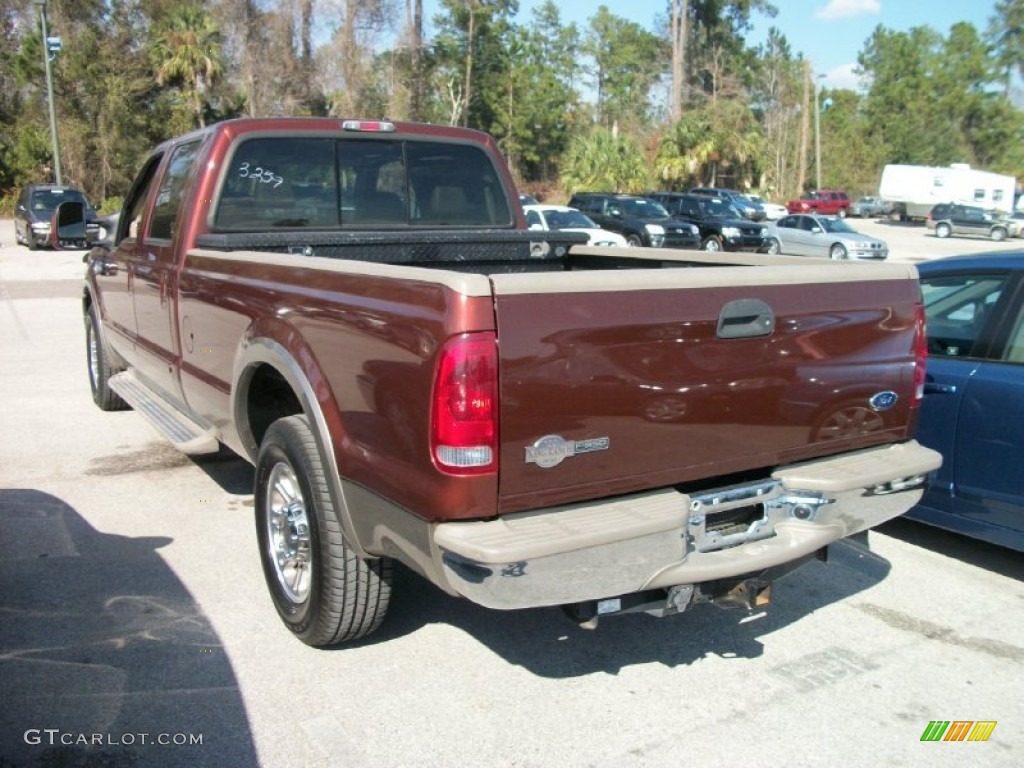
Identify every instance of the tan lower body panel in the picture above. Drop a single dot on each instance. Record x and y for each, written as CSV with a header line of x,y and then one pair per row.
x,y
666,538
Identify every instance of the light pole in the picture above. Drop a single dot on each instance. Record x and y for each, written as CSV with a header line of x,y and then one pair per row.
x,y
48,48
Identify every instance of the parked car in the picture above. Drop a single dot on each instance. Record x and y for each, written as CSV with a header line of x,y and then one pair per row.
x,y
870,206
560,217
1017,216
947,219
772,211
805,234
721,226
973,406
827,202
35,209
639,220
740,201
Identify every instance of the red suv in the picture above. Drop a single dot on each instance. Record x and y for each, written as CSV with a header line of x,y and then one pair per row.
x,y
827,202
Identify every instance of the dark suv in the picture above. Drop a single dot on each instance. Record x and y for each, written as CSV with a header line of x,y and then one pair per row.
x,y
639,220
746,207
721,227
947,219
35,209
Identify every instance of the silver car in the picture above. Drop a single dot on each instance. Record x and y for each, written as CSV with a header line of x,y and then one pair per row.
x,y
805,234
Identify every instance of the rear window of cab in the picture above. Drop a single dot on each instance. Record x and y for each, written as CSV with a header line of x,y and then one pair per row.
x,y
299,182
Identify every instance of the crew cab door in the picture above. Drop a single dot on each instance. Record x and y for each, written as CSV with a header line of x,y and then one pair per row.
x,y
114,271
155,276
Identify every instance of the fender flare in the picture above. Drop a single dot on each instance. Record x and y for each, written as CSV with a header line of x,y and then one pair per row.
x,y
261,350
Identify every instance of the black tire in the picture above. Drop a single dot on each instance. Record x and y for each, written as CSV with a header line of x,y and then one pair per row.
x,y
774,247
634,240
712,244
998,234
838,252
323,592
97,365
943,230
842,213
30,241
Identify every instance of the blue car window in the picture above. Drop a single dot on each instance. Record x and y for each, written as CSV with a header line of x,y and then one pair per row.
x,y
1015,349
956,308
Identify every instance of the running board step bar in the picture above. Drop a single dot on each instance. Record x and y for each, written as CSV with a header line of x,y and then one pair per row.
x,y
184,433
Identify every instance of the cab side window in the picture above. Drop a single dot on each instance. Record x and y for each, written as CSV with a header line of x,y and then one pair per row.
x,y
172,186
135,204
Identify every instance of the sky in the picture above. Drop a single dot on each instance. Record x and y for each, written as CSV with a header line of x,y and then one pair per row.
x,y
828,32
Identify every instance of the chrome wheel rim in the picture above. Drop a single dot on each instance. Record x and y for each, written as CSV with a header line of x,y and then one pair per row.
x,y
288,539
94,357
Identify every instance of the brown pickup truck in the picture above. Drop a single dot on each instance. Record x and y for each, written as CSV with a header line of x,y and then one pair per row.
x,y
358,308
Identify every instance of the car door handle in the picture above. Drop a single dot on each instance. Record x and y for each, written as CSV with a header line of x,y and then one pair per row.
x,y
104,268
931,388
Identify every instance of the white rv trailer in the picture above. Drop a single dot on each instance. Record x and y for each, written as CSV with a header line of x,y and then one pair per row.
x,y
914,189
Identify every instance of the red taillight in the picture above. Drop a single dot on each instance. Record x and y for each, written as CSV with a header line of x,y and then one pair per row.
x,y
464,416
920,354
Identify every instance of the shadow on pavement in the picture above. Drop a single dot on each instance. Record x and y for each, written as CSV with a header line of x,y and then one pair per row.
x,y
981,554
547,643
103,653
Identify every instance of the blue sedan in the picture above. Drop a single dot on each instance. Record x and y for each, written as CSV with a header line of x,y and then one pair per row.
x,y
973,408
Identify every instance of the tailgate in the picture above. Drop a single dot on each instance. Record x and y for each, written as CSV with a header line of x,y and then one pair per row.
x,y
615,381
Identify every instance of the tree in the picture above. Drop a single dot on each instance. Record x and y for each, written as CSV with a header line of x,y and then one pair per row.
x,y
680,9
1006,35
604,160
533,119
942,90
187,51
627,62
776,89
722,138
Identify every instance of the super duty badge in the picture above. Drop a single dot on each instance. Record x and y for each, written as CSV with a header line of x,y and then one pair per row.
x,y
551,450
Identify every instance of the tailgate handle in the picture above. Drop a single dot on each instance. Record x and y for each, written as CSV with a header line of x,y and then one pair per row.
x,y
745,318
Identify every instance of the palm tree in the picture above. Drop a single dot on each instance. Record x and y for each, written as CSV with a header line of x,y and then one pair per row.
x,y
604,161
187,51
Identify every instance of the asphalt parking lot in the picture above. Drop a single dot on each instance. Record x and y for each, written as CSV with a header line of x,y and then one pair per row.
x,y
135,628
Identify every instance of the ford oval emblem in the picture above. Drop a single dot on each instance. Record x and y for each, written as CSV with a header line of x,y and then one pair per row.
x,y
883,401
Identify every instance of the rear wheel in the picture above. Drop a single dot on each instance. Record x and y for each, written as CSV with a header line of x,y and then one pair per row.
x,y
711,244
999,234
634,240
838,252
842,213
774,247
98,366
323,592
943,230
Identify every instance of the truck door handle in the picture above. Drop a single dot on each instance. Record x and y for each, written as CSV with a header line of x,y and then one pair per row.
x,y
745,318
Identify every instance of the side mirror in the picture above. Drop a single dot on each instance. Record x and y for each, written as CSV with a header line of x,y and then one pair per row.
x,y
67,226
817,230
73,225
